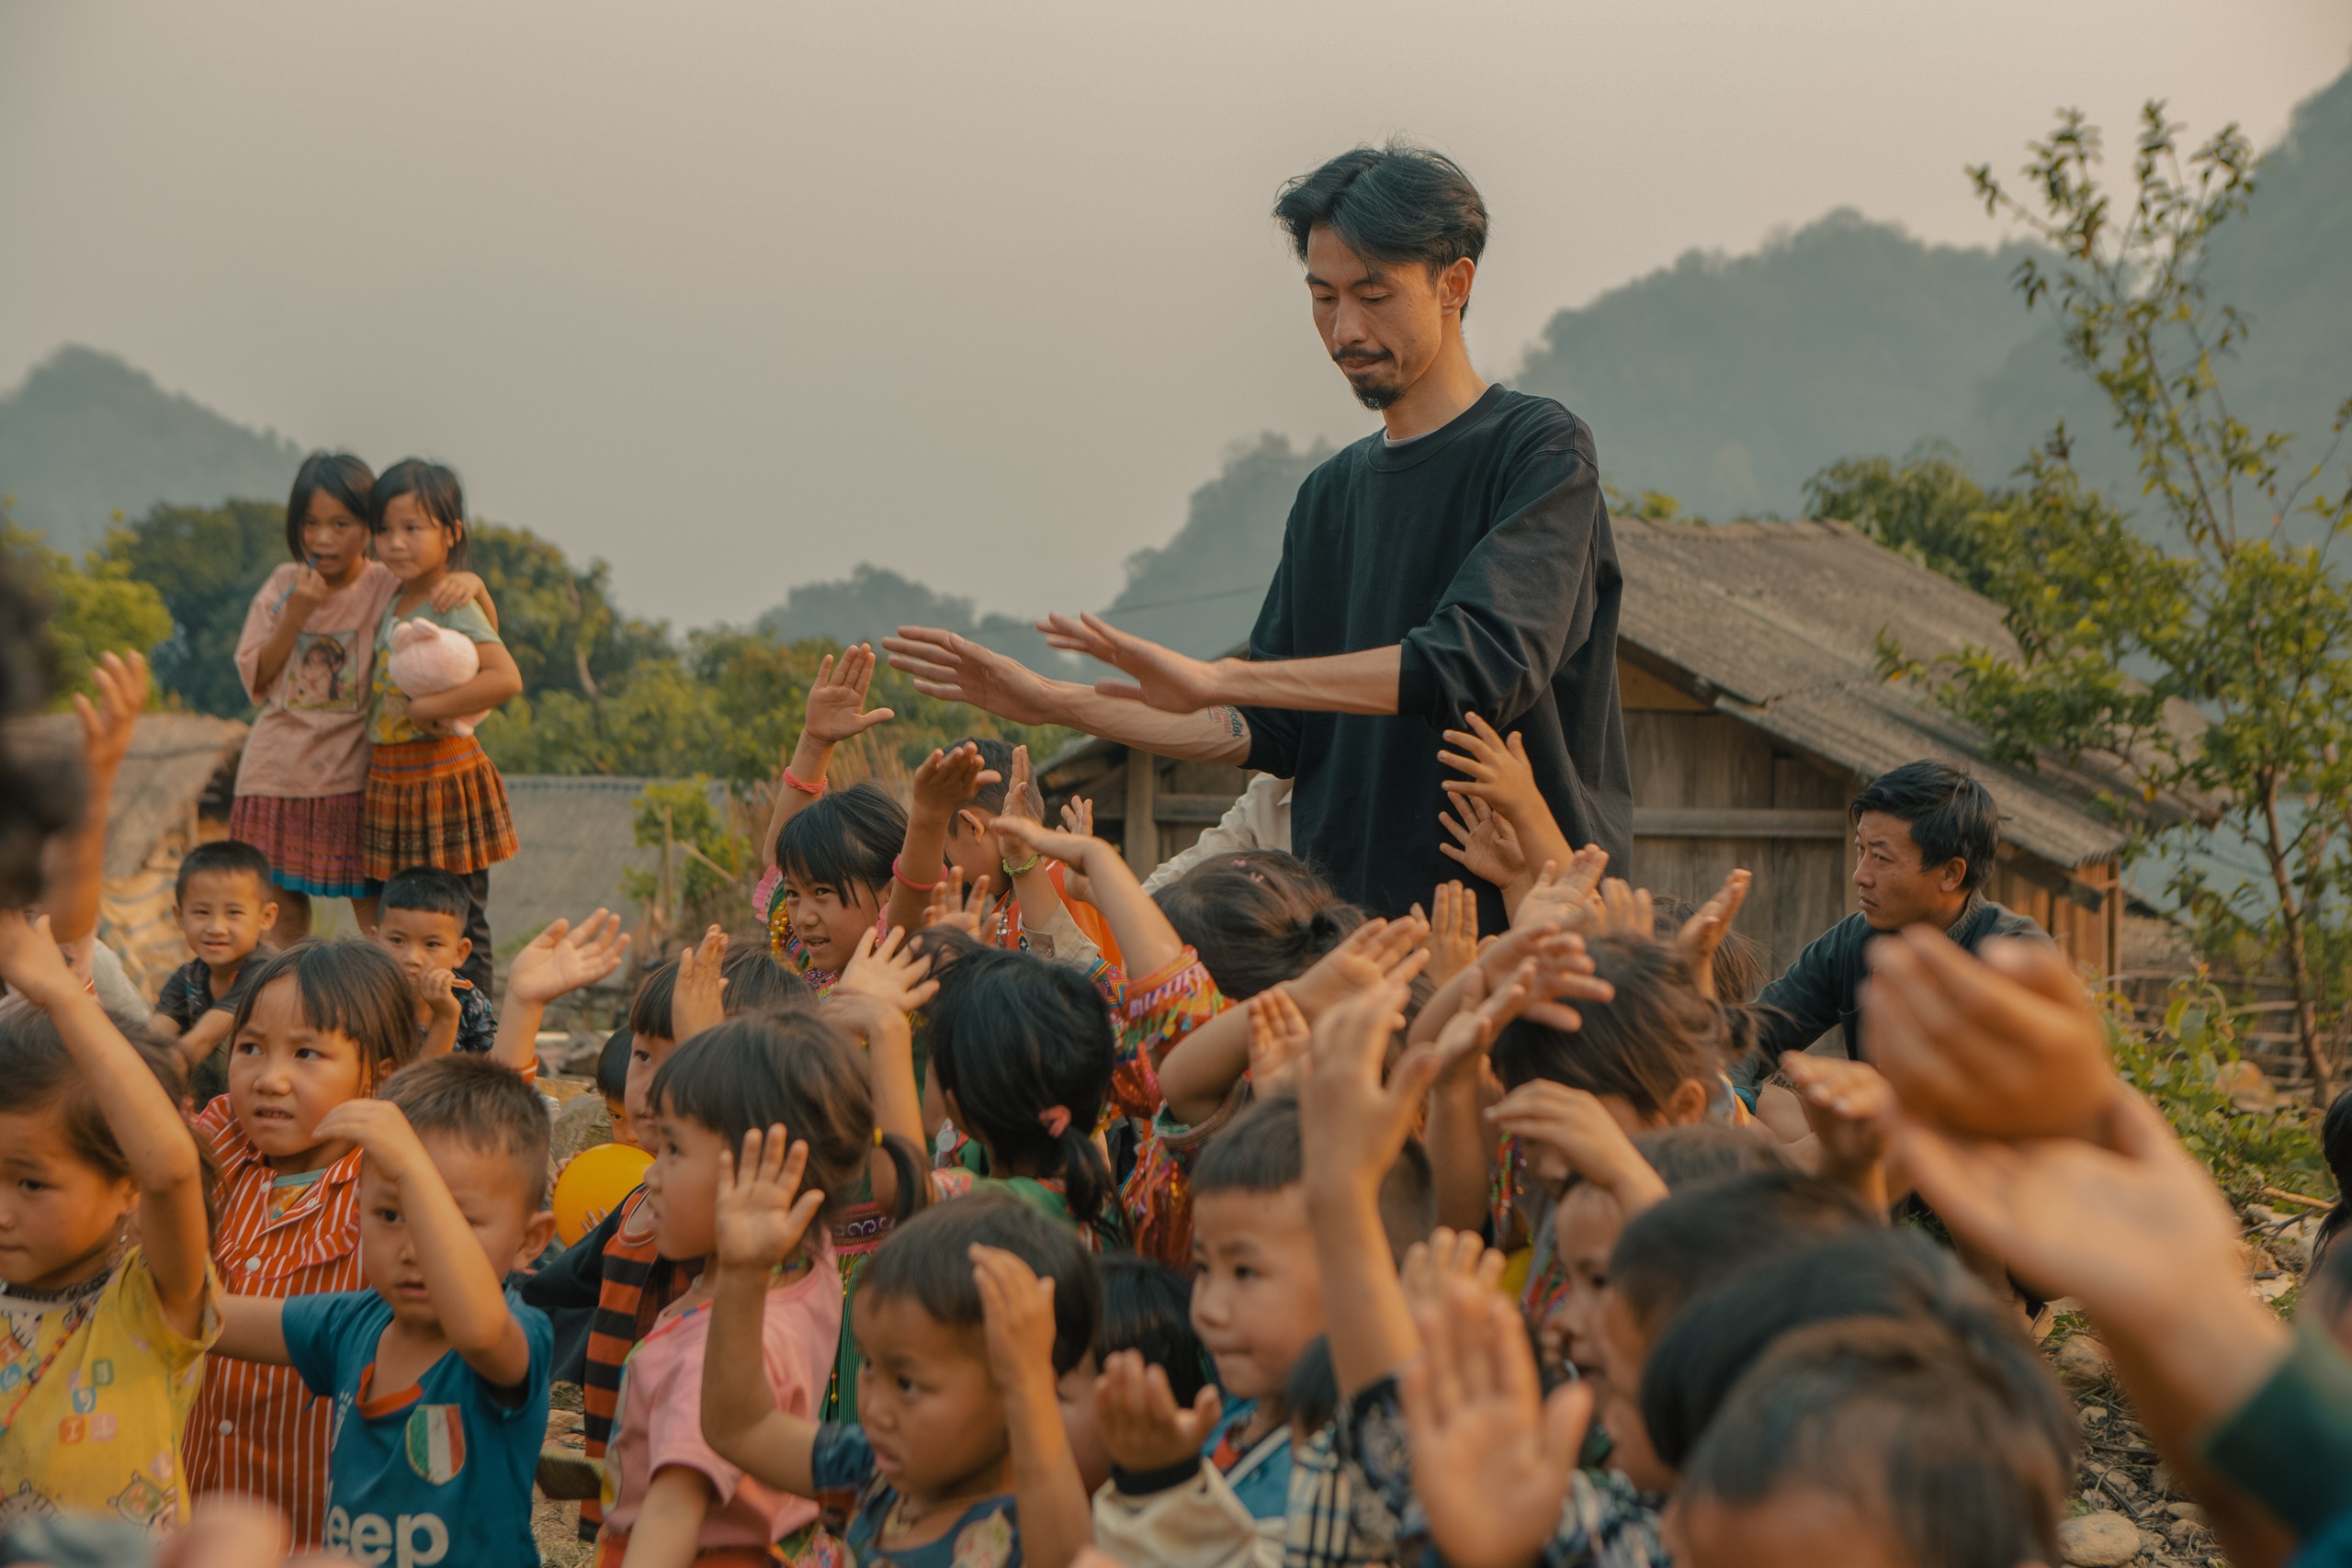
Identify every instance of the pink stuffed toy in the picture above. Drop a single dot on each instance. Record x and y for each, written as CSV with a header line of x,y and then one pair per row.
x,y
427,658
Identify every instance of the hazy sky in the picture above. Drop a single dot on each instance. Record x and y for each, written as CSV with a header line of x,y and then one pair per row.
x,y
738,295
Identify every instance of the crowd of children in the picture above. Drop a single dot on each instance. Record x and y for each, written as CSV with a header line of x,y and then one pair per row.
x,y
999,1213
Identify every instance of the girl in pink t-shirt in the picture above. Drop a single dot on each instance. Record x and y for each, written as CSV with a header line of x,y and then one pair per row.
x,y
668,1497
307,657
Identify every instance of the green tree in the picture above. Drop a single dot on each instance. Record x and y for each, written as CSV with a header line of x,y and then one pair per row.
x,y
2208,650
207,563
95,606
557,621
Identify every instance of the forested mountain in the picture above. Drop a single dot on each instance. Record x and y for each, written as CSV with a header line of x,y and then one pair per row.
x,y
87,436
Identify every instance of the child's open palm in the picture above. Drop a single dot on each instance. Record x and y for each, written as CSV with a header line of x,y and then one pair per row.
x,y
1705,929
1453,931
1278,1039
107,724
31,960
888,973
947,779
1375,951
1498,769
762,1213
1483,841
1143,1428
1465,1040
1558,896
1849,1105
1573,1121
1352,1123
698,1000
1491,1456
1431,1266
1017,1319
836,708
953,907
562,959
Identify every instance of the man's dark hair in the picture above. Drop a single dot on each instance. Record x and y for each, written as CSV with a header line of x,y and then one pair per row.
x,y
428,889
337,475
438,495
756,985
928,1260
224,857
1694,1364
845,840
1906,1424
1398,203
484,1105
1952,816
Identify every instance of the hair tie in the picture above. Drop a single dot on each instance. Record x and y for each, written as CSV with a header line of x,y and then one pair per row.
x,y
878,1137
1055,1119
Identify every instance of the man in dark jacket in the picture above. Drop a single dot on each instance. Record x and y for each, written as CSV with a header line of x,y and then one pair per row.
x,y
1924,840
1458,561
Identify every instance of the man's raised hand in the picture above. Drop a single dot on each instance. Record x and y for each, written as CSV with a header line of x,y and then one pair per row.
x,y
960,671
1157,677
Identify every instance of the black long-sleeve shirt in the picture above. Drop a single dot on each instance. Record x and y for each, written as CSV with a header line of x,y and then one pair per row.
x,y
1484,548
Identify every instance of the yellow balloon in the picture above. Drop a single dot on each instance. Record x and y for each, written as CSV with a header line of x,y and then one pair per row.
x,y
592,1186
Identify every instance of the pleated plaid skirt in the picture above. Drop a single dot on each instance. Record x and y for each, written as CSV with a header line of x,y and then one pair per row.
x,y
436,802
312,841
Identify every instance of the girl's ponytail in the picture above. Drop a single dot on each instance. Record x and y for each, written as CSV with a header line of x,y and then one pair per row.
x,y
913,1170
1086,1175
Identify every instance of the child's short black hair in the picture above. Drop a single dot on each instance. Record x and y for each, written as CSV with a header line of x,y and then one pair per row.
x,y
438,493
1906,1425
612,1063
1260,1151
845,840
1640,1045
336,474
1693,1240
2335,1146
1013,1037
797,1070
756,983
928,1260
1147,1308
350,988
482,1104
1952,816
1256,919
428,889
1708,1151
224,857
1702,1353
1311,1392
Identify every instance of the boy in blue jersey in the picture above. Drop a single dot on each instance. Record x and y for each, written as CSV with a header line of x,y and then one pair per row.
x,y
439,1377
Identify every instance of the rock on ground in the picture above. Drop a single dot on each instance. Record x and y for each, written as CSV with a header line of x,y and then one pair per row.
x,y
2098,1540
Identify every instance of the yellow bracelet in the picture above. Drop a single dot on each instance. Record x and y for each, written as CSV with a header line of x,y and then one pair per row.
x,y
1026,867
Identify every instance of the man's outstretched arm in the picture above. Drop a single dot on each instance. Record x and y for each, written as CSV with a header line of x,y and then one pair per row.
x,y
959,670
1169,681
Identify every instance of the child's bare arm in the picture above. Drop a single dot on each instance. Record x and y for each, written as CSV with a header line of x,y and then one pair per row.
x,y
154,1139
883,982
253,1328
203,1037
465,1286
763,1216
942,783
1030,871
75,862
436,989
1353,1126
1017,1310
836,712
1146,941
557,961
669,1522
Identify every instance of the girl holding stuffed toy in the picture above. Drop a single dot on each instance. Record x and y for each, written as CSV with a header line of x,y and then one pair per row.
x,y
308,657
433,797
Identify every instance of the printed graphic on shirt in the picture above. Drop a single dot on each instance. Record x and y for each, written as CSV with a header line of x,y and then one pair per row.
x,y
320,676
436,1442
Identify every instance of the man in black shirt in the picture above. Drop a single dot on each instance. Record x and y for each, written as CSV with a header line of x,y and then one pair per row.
x,y
1925,836
1457,561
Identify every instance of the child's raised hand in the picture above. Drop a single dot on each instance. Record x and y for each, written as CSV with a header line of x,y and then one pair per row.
x,y
1375,951
562,959
1705,929
31,960
1278,1039
1491,1456
1564,971
1463,1044
1448,1255
1558,894
888,973
383,1133
1030,836
2002,1045
953,907
1143,1428
762,1213
1849,1105
1499,773
1453,931
1017,1320
1623,910
438,990
836,709
107,724
1352,1123
1575,1123
1077,817
697,1000
1484,840
947,779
